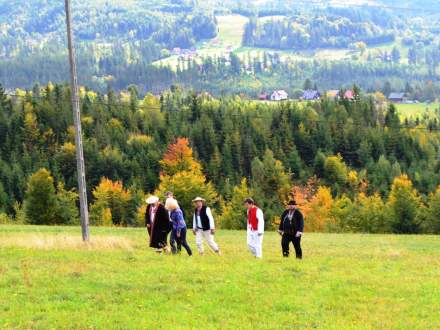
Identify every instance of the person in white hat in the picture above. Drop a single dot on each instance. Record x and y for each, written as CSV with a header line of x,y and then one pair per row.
x,y
255,228
203,226
158,223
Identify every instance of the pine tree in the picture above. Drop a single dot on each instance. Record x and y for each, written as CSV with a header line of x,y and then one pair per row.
x,y
41,201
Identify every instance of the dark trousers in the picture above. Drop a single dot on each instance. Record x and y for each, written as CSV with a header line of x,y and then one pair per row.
x,y
285,241
181,241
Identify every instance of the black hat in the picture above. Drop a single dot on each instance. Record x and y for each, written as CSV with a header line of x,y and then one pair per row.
x,y
249,201
291,202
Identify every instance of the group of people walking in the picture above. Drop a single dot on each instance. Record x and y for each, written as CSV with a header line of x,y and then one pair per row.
x,y
161,219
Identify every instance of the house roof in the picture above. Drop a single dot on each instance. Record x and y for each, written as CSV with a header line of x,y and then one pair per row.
x,y
311,94
280,92
332,93
396,96
349,94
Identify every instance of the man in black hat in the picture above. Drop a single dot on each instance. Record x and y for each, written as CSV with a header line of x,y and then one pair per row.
x,y
291,229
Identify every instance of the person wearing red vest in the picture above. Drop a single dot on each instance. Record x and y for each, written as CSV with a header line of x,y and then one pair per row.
x,y
255,228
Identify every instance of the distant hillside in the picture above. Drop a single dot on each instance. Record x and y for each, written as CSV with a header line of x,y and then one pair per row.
x,y
156,43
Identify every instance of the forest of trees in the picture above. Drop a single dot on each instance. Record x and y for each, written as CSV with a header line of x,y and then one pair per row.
x,y
312,31
352,165
117,45
33,47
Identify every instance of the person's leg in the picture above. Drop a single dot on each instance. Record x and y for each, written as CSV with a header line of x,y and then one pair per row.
x,y
199,240
163,241
297,246
210,240
259,246
179,245
285,240
184,242
251,243
173,239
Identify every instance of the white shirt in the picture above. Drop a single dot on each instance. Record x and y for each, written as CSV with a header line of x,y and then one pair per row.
x,y
197,222
153,211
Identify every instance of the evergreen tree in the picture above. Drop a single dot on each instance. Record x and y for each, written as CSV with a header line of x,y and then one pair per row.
x,y
41,201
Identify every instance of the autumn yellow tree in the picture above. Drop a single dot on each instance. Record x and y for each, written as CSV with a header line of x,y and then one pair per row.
x,y
111,206
318,211
233,215
402,206
182,175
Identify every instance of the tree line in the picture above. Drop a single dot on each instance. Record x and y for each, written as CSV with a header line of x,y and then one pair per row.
x,y
339,155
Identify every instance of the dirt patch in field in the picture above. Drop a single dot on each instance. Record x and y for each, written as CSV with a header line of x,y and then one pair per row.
x,y
65,242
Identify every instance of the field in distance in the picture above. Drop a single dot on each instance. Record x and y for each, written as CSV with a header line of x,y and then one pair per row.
x,y
418,110
49,279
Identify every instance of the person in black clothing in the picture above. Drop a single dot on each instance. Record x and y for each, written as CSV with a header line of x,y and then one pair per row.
x,y
158,224
291,229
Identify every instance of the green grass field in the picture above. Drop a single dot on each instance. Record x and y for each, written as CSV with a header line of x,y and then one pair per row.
x,y
49,280
417,110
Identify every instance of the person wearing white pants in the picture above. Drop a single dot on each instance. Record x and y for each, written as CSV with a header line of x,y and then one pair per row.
x,y
255,228
203,226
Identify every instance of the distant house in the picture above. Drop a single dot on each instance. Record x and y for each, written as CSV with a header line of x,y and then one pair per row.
x,y
176,51
335,94
397,97
310,95
280,95
263,97
332,94
349,95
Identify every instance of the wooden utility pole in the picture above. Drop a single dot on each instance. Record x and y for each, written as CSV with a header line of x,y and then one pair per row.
x,y
82,189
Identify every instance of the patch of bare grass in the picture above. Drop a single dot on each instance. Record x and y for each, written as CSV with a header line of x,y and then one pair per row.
x,y
65,242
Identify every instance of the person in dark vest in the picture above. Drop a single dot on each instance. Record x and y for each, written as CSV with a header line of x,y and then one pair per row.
x,y
158,224
291,229
255,228
203,226
179,226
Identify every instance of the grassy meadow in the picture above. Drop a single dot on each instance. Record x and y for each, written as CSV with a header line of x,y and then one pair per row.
x,y
417,110
49,279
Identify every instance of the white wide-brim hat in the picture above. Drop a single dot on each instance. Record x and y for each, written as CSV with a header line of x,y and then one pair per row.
x,y
152,200
198,199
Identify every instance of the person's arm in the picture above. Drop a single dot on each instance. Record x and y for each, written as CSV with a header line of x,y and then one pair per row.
x,y
211,219
147,217
260,217
180,221
281,226
300,223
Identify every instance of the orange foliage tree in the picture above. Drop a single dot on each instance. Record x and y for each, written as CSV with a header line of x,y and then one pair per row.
x,y
182,175
178,158
315,203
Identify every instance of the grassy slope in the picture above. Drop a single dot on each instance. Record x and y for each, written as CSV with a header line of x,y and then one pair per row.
x,y
417,110
231,29
345,281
